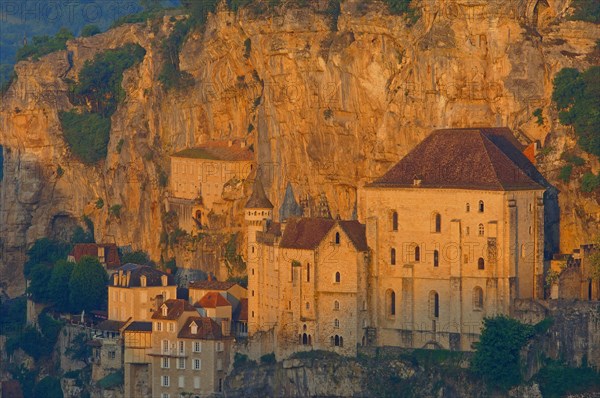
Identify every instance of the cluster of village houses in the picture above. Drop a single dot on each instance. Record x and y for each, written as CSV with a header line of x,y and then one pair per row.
x,y
453,233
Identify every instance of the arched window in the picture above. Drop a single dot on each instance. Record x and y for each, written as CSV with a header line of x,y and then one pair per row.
x,y
337,277
468,207
304,339
477,298
390,302
523,251
338,341
308,272
481,206
438,222
481,230
481,263
336,305
436,258
394,221
393,256
434,304
336,323
309,339
337,238
417,254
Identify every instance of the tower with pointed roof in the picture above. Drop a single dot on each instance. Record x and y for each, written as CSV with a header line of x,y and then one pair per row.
x,y
258,213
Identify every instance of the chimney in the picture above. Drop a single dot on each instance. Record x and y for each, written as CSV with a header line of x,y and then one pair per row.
x,y
210,277
229,143
243,144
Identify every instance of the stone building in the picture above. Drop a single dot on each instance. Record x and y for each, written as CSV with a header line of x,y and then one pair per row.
x,y
190,353
452,233
133,291
571,275
456,229
307,280
201,175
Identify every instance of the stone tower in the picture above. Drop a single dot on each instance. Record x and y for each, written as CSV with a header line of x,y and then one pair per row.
x,y
258,212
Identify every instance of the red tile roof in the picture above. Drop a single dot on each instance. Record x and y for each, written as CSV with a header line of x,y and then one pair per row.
x,y
218,150
207,329
111,252
308,233
175,307
213,300
476,158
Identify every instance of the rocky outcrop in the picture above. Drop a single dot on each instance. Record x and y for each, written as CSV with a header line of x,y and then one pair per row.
x,y
328,105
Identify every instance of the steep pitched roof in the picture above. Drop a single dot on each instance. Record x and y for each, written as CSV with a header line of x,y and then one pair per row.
x,y
213,300
258,199
477,158
308,233
211,285
175,308
218,150
153,276
207,329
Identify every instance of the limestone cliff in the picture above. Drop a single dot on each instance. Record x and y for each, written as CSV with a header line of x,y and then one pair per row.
x,y
333,103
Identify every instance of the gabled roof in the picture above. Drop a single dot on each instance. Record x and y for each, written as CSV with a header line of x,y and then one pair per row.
x,y
175,307
472,158
308,233
213,300
207,329
224,150
153,276
258,199
211,285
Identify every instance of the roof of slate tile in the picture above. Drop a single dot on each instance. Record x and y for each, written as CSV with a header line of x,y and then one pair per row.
x,y
308,233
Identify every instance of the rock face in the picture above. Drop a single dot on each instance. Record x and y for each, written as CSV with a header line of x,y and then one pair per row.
x,y
328,105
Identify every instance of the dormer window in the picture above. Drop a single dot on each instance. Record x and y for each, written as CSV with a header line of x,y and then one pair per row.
x,y
164,280
194,328
143,281
164,309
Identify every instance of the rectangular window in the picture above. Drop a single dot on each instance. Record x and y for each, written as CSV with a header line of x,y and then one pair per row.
x,y
165,395
182,347
159,326
111,355
197,346
180,363
219,364
181,382
196,382
164,381
171,327
219,346
197,364
165,363
165,346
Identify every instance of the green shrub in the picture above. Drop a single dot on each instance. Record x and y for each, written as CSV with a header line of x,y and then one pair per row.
x,y
99,203
90,30
268,359
496,358
573,159
115,210
565,173
43,45
538,114
590,182
12,315
240,360
136,257
586,10
247,48
577,97
120,145
87,134
557,380
87,285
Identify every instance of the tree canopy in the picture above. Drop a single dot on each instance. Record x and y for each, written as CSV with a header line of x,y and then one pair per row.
x,y
577,97
87,285
58,285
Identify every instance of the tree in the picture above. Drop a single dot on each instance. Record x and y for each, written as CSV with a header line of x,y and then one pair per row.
x,y
58,286
38,287
45,251
87,285
136,257
90,30
497,358
48,387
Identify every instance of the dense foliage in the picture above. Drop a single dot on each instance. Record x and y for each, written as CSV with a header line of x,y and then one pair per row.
x,y
170,75
58,285
90,30
48,387
558,380
590,182
87,285
87,134
577,97
136,257
586,10
99,89
12,315
45,251
497,357
42,45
